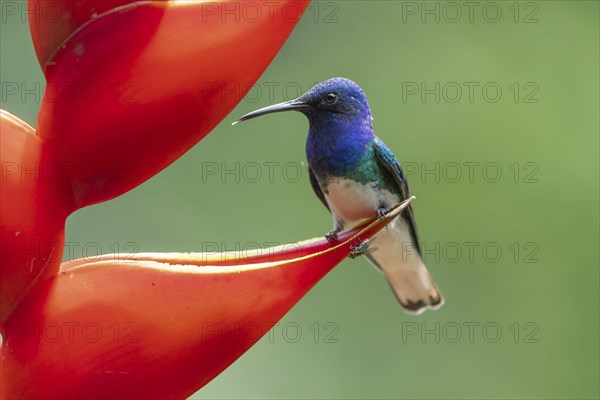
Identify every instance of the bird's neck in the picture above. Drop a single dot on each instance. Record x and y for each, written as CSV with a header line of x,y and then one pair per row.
x,y
336,146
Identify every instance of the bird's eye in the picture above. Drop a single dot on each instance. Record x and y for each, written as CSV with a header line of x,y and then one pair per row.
x,y
331,98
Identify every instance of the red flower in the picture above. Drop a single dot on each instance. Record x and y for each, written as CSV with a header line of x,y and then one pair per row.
x,y
130,87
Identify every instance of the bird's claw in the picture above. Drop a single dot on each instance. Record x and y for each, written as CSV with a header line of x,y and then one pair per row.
x,y
332,236
361,249
381,211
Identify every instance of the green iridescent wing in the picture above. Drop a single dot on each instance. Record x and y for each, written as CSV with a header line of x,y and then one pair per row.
x,y
386,158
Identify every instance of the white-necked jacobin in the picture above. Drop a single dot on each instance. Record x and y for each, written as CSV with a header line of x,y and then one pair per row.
x,y
356,176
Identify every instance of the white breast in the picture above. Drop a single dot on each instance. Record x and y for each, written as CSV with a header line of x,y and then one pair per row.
x,y
351,202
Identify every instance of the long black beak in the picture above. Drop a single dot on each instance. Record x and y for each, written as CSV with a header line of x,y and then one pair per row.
x,y
292,105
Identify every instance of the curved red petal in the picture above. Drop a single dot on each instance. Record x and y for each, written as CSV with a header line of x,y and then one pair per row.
x,y
34,204
127,96
51,22
146,329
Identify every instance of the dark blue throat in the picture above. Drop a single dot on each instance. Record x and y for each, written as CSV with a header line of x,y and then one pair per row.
x,y
338,143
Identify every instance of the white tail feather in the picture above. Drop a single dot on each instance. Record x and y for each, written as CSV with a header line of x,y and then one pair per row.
x,y
397,257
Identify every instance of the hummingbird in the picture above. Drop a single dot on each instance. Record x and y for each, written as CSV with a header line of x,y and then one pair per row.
x,y
356,176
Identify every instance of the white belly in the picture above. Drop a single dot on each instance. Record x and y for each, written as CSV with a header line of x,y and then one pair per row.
x,y
351,202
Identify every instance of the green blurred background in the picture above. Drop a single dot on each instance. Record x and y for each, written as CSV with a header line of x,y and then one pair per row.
x,y
543,297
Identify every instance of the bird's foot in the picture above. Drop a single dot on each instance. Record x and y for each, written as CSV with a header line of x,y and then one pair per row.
x,y
332,235
361,249
381,211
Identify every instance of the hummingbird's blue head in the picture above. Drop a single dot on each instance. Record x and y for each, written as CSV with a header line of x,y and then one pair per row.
x,y
336,99
340,133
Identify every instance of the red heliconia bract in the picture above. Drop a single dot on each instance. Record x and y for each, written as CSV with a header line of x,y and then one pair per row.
x,y
135,88
157,325
129,90
52,21
34,203
131,86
